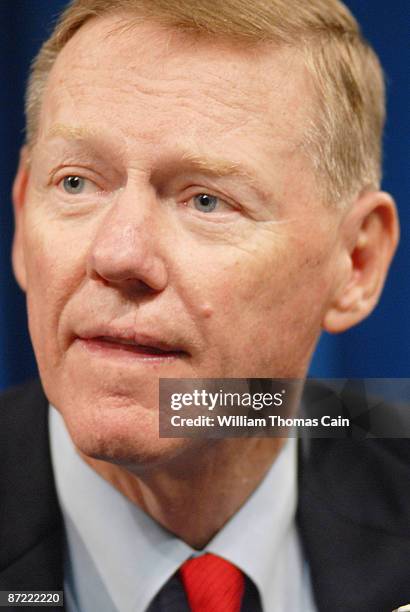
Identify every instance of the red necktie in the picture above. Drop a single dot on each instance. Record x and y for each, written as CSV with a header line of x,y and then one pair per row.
x,y
212,584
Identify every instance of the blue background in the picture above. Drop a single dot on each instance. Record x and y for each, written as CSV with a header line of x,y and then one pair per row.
x,y
379,347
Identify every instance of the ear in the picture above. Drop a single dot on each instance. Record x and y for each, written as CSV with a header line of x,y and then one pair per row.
x,y
19,196
370,234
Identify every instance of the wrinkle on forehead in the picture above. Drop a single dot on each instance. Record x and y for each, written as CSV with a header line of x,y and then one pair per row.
x,y
251,79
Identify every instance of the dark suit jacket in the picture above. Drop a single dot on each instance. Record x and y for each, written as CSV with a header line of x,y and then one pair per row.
x,y
353,516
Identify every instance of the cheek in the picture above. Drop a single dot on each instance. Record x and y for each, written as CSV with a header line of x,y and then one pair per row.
x,y
258,281
53,271
268,303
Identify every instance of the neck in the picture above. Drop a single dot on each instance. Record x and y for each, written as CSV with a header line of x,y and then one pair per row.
x,y
195,498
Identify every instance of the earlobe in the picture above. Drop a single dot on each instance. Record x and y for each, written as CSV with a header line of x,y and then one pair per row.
x,y
370,232
19,196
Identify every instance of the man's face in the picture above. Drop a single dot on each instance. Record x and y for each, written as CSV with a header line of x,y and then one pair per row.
x,y
169,203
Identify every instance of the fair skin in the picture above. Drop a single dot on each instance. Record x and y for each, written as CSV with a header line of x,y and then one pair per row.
x,y
237,286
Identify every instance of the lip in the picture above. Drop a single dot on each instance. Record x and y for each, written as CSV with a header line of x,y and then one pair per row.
x,y
128,343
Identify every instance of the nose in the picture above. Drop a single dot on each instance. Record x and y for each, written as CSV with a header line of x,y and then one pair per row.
x,y
127,248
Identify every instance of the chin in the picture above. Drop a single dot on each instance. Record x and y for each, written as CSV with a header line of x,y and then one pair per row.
x,y
126,436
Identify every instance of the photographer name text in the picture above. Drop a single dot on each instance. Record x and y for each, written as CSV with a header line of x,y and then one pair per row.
x,y
245,421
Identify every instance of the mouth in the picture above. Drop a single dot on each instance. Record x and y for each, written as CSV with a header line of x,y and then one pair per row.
x,y
117,347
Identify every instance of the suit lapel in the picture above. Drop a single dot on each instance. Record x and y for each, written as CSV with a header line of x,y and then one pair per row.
x,y
353,515
30,522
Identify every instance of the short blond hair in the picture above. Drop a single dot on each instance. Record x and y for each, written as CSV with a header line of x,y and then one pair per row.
x,y
344,137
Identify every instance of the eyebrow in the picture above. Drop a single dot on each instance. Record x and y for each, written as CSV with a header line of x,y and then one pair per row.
x,y
211,166
70,132
216,166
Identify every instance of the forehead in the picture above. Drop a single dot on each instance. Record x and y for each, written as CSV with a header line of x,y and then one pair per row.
x,y
145,82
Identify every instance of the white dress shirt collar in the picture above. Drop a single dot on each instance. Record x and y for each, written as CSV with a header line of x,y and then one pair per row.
x,y
119,558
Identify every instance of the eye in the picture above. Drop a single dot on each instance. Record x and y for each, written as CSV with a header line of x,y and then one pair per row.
x,y
205,202
73,184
